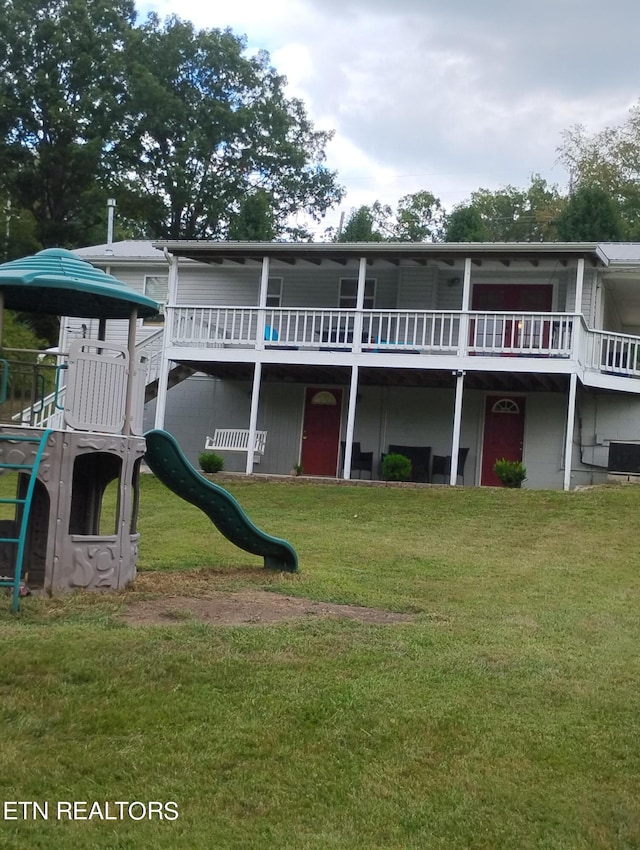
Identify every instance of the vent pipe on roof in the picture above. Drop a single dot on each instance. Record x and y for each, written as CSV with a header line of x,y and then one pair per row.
x,y
111,206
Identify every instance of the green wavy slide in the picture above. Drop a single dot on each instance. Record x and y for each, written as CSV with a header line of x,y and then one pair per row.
x,y
168,462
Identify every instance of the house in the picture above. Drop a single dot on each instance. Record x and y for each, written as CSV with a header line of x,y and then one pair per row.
x,y
525,351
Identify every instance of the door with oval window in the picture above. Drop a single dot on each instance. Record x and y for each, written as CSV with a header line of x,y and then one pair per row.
x,y
503,434
321,431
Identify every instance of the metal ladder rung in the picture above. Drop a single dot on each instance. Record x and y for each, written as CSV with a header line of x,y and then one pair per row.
x,y
9,539
12,501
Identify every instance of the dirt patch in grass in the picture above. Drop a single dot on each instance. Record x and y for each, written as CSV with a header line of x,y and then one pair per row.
x,y
249,607
205,595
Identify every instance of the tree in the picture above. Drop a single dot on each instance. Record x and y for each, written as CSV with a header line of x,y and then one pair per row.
x,y
609,160
518,215
254,221
465,224
61,92
181,126
208,128
361,226
419,217
591,215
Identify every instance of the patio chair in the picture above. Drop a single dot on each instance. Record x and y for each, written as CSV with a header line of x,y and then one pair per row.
x,y
360,461
441,465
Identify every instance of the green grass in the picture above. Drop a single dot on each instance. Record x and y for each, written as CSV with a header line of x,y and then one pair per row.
x,y
506,715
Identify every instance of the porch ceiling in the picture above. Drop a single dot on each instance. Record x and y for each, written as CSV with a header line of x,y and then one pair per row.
x,y
340,375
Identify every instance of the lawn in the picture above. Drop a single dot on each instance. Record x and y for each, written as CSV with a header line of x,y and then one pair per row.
x,y
505,714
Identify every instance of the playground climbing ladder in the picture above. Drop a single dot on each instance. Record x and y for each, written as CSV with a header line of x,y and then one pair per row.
x,y
22,506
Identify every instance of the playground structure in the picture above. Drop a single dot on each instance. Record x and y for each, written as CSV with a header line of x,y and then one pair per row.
x,y
85,436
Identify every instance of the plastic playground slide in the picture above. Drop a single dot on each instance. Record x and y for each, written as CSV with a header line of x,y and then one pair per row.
x,y
168,462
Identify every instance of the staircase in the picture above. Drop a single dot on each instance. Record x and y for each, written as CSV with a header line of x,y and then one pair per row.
x,y
47,411
19,525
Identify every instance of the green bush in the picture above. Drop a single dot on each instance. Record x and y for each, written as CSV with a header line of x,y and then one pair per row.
x,y
510,472
210,462
396,467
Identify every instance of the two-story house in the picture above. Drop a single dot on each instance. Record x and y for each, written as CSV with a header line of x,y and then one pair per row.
x,y
470,351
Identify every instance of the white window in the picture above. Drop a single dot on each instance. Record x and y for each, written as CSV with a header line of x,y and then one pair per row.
x,y
274,292
157,288
349,292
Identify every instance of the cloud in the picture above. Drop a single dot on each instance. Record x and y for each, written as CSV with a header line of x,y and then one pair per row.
x,y
446,96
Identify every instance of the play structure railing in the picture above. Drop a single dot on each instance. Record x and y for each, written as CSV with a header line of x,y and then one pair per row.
x,y
46,411
27,382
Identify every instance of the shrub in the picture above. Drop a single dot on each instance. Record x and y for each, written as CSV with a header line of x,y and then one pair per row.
x,y
510,472
396,467
210,462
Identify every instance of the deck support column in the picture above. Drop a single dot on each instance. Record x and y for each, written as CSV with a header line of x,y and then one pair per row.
x,y
457,424
351,422
165,364
262,304
358,320
463,341
253,416
131,377
571,418
579,285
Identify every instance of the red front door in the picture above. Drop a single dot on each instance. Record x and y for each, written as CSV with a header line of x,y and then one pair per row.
x,y
512,298
503,434
321,431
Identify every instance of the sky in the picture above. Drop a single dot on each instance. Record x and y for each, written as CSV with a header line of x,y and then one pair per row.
x,y
444,95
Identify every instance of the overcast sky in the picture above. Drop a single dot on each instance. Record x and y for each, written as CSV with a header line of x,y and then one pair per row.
x,y
444,95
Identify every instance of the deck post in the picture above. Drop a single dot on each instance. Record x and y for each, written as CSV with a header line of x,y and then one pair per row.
x,y
253,416
579,285
571,417
165,364
358,320
351,422
262,304
463,341
457,423
131,346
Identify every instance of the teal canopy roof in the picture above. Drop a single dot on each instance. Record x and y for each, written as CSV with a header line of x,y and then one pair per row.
x,y
59,283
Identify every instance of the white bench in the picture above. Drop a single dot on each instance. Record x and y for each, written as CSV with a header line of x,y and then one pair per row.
x,y
236,440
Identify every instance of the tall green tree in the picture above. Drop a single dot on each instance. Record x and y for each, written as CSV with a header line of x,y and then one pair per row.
x,y
419,217
465,224
518,215
610,160
209,127
591,215
62,85
184,128
361,226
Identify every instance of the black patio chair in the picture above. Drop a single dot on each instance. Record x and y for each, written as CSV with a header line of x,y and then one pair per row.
x,y
360,461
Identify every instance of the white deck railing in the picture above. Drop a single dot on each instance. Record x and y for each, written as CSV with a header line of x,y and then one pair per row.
x,y
428,331
613,354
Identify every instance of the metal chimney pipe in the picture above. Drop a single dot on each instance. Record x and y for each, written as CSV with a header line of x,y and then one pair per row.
x,y
111,206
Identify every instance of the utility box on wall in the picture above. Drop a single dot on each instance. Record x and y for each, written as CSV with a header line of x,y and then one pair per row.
x,y
624,461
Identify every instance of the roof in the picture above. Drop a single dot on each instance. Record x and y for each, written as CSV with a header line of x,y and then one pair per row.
x,y
58,283
620,253
341,252
127,249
